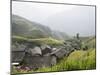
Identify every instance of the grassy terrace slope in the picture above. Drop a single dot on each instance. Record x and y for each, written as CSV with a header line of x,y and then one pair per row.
x,y
49,41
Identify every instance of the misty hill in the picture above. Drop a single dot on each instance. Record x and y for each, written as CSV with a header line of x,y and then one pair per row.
x,y
60,35
26,28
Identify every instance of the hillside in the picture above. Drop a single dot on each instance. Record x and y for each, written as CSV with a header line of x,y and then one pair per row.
x,y
59,35
90,42
26,28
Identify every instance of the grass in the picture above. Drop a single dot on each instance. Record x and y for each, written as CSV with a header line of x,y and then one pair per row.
x,y
78,60
48,41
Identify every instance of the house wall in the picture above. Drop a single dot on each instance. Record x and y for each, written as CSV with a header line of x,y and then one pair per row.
x,y
39,61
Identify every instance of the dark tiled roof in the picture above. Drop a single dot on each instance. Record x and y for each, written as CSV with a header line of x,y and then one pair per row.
x,y
59,53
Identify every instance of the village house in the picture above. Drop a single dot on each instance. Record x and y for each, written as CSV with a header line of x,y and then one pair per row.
x,y
36,57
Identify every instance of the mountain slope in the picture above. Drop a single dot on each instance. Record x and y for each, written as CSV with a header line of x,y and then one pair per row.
x,y
60,35
26,28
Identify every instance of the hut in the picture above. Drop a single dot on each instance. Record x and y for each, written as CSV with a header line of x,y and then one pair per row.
x,y
35,62
36,57
32,57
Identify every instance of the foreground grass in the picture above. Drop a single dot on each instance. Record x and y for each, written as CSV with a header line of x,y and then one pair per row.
x,y
78,60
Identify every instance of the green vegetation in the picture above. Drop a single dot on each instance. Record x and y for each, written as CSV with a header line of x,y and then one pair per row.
x,y
49,41
78,60
90,42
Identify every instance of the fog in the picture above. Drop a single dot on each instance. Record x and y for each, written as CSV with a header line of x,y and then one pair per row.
x,y
71,19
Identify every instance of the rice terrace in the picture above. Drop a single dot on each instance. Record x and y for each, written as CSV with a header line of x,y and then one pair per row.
x,y
62,39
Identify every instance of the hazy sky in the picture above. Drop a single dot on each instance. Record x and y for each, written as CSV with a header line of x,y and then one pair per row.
x,y
71,19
